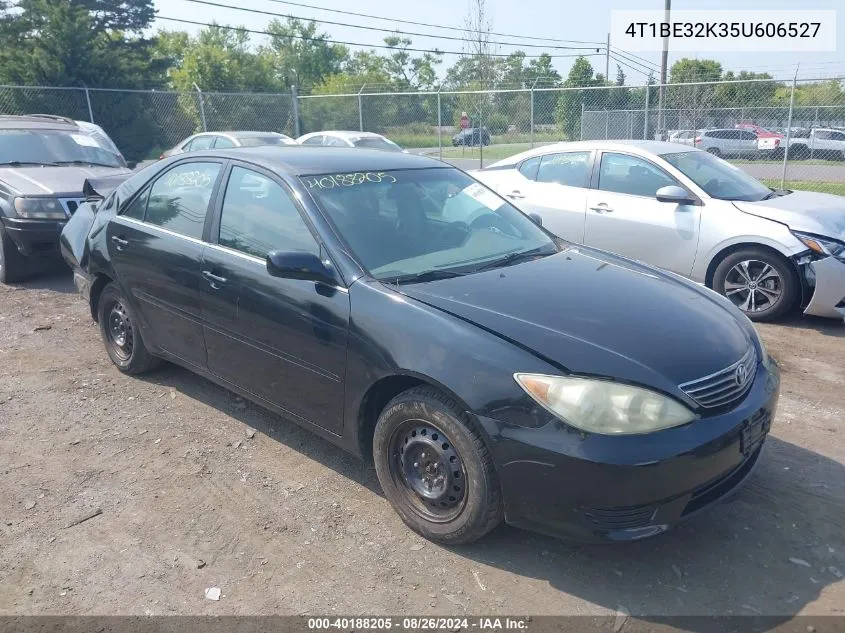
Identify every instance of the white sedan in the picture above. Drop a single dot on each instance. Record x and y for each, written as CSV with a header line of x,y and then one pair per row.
x,y
341,138
689,212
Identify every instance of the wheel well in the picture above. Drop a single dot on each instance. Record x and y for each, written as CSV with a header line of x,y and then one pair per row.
x,y
374,402
100,282
717,259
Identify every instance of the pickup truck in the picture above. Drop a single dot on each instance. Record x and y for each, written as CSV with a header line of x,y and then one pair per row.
x,y
817,143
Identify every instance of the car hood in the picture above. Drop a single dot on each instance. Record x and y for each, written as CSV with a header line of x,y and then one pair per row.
x,y
50,181
820,213
589,312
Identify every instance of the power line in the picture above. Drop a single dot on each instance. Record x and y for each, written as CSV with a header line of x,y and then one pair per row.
x,y
633,57
330,41
627,57
436,26
373,28
628,66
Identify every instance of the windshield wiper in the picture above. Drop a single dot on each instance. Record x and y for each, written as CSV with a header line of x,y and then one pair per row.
x,y
428,275
26,163
513,258
85,162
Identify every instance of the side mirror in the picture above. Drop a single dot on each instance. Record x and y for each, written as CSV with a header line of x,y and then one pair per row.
x,y
300,265
536,218
674,194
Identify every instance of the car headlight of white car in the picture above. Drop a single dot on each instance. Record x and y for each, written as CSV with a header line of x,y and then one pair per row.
x,y
39,209
822,245
603,406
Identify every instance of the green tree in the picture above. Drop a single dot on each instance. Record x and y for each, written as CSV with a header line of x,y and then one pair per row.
x,y
691,106
302,56
570,102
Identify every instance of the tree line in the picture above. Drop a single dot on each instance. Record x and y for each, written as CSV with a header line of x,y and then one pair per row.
x,y
106,44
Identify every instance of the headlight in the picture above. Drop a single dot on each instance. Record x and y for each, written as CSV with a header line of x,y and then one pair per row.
x,y
40,209
606,407
822,245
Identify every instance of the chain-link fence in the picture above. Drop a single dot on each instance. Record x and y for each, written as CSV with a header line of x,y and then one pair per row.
x,y
782,132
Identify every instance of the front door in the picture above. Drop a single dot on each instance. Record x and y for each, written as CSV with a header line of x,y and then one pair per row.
x,y
156,246
624,217
283,340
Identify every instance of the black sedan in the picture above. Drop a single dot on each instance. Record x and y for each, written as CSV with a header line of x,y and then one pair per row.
x,y
407,313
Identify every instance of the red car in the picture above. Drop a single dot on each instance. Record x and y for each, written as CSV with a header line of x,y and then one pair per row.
x,y
766,139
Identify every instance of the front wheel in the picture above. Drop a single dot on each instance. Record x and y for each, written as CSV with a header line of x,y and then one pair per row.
x,y
759,282
121,334
13,265
435,469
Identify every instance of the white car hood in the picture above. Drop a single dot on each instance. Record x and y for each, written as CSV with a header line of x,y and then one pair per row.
x,y
819,213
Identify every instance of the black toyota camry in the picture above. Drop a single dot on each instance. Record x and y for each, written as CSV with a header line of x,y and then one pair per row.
x,y
402,310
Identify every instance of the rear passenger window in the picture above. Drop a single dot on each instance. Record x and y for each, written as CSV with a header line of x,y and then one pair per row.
x,y
566,169
529,168
749,136
259,216
179,199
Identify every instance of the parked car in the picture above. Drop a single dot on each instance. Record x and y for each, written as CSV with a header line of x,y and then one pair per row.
x,y
339,138
103,139
728,142
472,136
689,212
44,162
404,311
684,137
818,143
769,142
225,140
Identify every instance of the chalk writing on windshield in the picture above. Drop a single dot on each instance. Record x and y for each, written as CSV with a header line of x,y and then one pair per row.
x,y
348,180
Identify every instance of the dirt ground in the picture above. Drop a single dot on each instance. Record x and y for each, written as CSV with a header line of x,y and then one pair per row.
x,y
200,489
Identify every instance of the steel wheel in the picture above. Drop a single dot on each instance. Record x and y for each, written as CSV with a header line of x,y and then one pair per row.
x,y
428,470
753,286
119,330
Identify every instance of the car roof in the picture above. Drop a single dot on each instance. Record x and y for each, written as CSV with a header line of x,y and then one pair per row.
x,y
302,160
37,122
347,134
634,146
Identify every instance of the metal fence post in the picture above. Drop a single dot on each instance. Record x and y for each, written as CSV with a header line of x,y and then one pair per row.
x,y
788,130
294,100
582,118
645,112
532,110
439,126
88,101
606,124
360,110
202,106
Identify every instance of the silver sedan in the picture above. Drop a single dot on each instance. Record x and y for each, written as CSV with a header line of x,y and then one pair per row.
x,y
691,213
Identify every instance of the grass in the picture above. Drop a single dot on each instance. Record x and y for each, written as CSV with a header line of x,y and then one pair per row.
x,y
491,152
836,188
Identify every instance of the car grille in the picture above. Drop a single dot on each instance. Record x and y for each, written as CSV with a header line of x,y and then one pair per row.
x,y
725,386
612,519
70,205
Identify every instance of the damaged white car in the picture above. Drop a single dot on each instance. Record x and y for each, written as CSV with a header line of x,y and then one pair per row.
x,y
691,213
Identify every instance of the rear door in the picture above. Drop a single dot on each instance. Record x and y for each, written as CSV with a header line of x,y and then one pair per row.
x,y
156,246
748,142
283,340
554,187
624,217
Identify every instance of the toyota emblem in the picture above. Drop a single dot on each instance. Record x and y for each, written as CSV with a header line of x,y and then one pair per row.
x,y
741,375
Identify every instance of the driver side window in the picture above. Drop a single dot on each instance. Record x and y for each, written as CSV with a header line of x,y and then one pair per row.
x,y
621,173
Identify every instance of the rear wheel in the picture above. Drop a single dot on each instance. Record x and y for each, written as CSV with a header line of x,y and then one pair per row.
x,y
759,282
435,468
121,334
13,265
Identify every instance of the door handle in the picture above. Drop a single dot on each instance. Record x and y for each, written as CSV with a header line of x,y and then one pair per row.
x,y
601,208
514,195
119,242
213,279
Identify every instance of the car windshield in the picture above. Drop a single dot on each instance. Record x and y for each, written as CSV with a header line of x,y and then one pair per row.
x,y
413,224
717,177
374,142
260,141
53,147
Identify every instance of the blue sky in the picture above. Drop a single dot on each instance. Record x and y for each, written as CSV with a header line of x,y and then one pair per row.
x,y
560,19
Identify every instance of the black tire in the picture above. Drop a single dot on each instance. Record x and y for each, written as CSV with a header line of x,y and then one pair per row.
x,y
715,151
13,265
120,333
465,501
767,277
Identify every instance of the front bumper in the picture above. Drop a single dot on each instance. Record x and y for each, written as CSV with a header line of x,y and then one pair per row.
x,y
589,488
35,238
828,298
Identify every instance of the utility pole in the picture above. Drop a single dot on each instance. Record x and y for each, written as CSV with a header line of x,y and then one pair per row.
x,y
664,60
607,60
